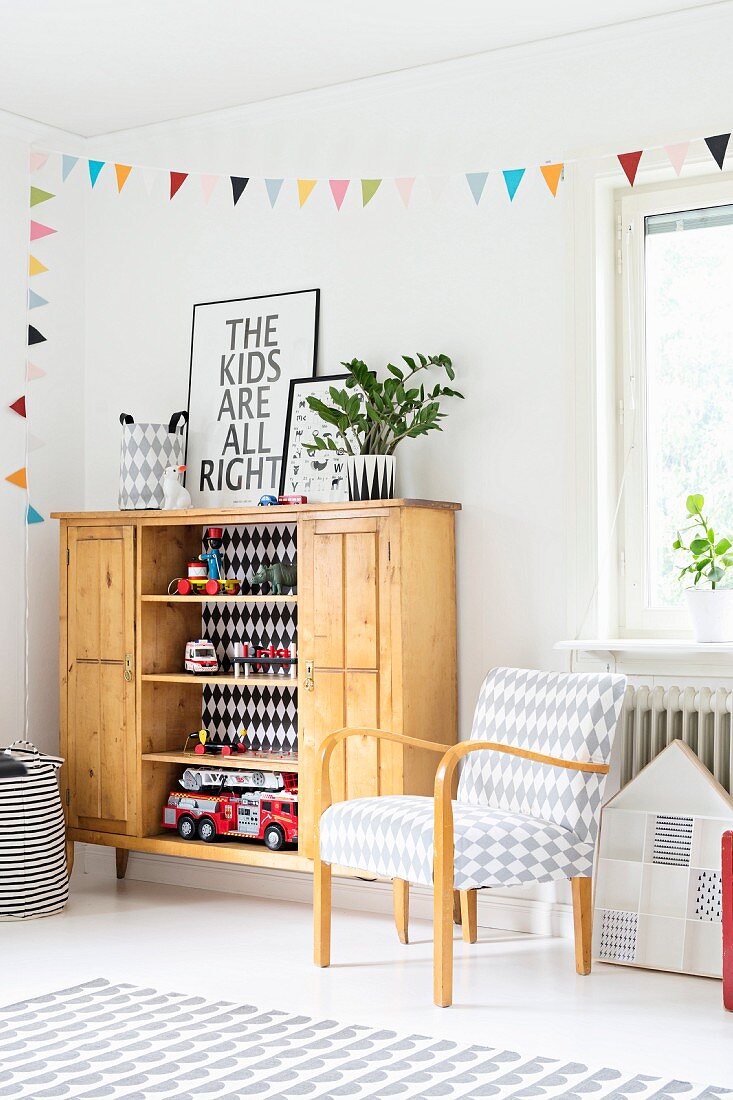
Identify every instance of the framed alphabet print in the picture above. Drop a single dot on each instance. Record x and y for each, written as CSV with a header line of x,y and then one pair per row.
x,y
321,476
244,354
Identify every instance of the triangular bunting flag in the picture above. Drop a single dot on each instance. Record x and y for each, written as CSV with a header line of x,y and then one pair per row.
x,y
208,183
33,516
33,443
718,146
305,190
34,336
238,185
552,174
477,181
95,167
18,477
338,190
38,231
404,187
32,372
177,181
18,406
67,165
677,155
37,161
512,179
273,190
150,178
39,196
630,162
369,189
122,171
35,267
35,300
437,185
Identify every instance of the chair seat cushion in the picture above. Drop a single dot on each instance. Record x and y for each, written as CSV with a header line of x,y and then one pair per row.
x,y
392,836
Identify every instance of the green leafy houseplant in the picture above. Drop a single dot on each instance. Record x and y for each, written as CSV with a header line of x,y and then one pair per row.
x,y
371,417
710,557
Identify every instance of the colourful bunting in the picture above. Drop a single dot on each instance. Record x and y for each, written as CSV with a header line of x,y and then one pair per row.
x,y
95,167
33,443
404,185
718,146
67,165
477,181
208,183
512,179
177,181
34,336
369,189
18,406
33,516
552,174
677,155
18,477
35,300
122,171
37,161
238,185
39,196
630,162
150,178
35,267
38,231
305,190
338,190
273,190
32,372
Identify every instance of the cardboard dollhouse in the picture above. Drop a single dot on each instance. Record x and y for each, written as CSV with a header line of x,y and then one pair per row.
x,y
658,882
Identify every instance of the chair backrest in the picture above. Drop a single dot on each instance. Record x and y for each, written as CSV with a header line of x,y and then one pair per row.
x,y
568,715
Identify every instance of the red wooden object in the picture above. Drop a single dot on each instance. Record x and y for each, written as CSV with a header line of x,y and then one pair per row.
x,y
728,920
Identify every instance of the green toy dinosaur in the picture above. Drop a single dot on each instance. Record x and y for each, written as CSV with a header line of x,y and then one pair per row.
x,y
279,575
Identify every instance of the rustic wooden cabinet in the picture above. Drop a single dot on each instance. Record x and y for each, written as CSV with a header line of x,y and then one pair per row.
x,y
374,623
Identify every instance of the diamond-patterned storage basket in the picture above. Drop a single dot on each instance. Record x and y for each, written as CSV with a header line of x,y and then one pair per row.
x,y
146,451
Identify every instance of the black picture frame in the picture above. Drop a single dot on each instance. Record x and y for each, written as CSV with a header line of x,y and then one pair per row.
x,y
311,382
231,494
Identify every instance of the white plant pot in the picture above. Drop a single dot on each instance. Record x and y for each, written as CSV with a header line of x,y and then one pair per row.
x,y
711,612
371,477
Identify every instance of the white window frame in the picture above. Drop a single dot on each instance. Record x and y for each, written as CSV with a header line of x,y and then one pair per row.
x,y
635,619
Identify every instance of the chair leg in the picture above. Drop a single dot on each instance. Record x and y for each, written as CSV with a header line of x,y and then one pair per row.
x,y
468,915
457,915
583,922
401,897
321,913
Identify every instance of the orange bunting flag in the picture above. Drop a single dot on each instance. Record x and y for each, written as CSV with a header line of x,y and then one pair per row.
x,y
122,171
177,181
305,189
552,174
18,477
630,162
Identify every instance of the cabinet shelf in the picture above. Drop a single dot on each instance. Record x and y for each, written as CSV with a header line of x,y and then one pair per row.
x,y
219,599
264,762
278,683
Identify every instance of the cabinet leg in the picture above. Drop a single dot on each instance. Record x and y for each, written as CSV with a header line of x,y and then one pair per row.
x,y
583,921
468,915
69,857
401,895
121,857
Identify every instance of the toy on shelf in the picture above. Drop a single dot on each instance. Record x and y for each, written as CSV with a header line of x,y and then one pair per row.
x,y
204,746
258,815
292,498
267,501
199,779
175,495
250,660
200,657
278,575
205,574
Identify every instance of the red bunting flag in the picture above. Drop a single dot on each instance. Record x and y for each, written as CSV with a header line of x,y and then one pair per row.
x,y
630,162
19,406
177,181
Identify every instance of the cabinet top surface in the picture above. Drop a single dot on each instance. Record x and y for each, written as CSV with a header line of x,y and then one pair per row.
x,y
266,515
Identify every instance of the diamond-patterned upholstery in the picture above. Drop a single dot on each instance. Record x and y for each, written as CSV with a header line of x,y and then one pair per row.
x,y
515,821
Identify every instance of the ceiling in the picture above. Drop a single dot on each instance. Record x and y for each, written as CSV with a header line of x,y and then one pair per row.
x,y
94,66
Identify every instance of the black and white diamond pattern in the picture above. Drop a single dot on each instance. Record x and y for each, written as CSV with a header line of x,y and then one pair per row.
x,y
566,715
146,451
259,624
269,714
246,548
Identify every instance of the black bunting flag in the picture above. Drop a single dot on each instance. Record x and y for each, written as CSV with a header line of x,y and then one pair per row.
x,y
34,336
718,146
238,185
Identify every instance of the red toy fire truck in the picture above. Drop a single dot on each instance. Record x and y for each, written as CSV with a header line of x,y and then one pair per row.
x,y
271,816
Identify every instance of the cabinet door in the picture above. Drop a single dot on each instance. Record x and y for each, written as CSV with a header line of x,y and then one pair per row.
x,y
344,629
101,686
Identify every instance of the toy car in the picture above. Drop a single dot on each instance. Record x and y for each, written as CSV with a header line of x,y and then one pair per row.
x,y
200,657
267,500
260,815
198,586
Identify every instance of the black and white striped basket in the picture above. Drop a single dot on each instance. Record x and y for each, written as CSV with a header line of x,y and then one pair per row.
x,y
33,878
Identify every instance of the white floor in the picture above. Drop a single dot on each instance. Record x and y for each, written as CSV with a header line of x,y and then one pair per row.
x,y
511,991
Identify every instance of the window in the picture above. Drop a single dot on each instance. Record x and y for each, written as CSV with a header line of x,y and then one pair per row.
x,y
675,272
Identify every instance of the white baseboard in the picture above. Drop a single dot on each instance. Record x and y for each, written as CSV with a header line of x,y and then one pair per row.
x,y
496,909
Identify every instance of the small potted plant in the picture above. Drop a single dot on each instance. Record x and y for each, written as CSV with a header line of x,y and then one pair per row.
x,y
710,606
372,416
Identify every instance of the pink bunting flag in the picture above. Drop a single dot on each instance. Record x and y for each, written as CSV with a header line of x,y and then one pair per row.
x,y
208,183
32,372
38,230
37,161
677,155
338,190
404,187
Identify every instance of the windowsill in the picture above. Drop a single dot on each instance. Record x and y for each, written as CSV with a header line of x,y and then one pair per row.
x,y
671,647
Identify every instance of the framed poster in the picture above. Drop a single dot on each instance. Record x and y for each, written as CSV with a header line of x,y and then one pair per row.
x,y
244,353
321,476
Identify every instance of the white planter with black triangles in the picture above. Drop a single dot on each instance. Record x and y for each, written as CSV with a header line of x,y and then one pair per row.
x,y
371,477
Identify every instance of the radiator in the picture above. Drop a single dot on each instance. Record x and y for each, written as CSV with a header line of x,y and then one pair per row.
x,y
654,716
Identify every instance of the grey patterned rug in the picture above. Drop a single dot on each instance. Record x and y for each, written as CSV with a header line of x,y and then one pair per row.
x,y
122,1042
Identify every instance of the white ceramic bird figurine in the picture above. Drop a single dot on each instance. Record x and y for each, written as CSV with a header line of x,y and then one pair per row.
x,y
175,495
